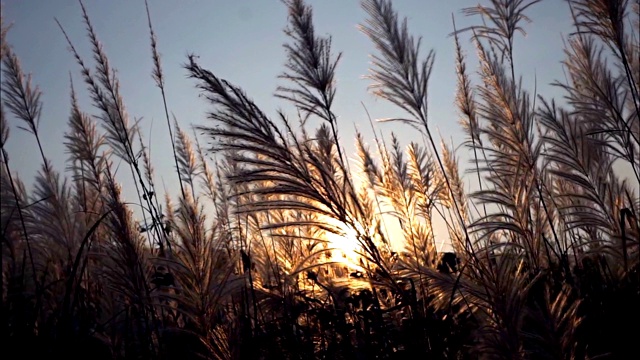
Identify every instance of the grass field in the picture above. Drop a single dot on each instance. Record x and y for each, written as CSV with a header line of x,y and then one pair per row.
x,y
281,247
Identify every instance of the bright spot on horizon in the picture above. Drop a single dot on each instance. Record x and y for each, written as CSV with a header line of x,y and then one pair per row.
x,y
345,246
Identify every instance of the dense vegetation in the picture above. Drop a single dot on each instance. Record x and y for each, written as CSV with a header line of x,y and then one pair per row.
x,y
238,263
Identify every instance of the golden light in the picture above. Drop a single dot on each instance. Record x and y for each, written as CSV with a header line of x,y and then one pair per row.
x,y
345,245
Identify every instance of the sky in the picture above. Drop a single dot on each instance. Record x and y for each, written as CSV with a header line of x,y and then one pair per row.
x,y
241,41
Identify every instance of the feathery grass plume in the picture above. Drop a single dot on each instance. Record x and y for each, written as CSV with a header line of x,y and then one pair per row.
x,y
20,278
599,95
88,160
558,321
85,146
104,90
397,188
465,96
466,103
371,175
105,93
399,75
368,167
311,69
311,66
259,275
581,159
158,77
187,163
4,128
23,101
457,190
512,158
604,19
202,270
20,96
208,179
4,30
52,203
149,171
505,18
496,298
286,165
425,179
126,268
12,222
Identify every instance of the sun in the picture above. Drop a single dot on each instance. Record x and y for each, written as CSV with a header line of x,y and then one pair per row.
x,y
345,244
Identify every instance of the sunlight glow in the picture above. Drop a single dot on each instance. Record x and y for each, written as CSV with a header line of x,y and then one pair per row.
x,y
345,245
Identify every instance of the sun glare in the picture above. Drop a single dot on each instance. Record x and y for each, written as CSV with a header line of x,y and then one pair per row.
x,y
345,245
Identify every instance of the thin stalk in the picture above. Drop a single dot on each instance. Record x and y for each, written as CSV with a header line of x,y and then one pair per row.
x,y
159,78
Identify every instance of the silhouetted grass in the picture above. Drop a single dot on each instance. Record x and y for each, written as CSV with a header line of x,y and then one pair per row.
x,y
239,263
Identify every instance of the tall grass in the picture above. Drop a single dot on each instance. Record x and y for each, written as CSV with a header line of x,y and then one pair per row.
x,y
240,263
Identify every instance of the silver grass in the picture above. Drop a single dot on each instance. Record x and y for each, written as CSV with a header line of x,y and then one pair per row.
x,y
311,66
158,77
207,176
125,266
512,157
10,217
202,267
19,95
4,128
103,87
292,167
425,179
399,75
85,146
582,160
559,317
187,163
599,95
149,171
52,201
457,191
4,30
603,18
504,21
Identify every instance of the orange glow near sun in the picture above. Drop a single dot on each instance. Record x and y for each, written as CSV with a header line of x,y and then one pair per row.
x,y
345,246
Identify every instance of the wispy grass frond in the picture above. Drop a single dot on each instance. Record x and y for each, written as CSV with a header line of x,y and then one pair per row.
x,y
4,30
599,94
52,206
250,264
20,96
505,19
400,76
398,73
581,160
258,143
425,178
603,18
465,96
310,64
103,87
187,163
457,191
158,77
4,128
85,145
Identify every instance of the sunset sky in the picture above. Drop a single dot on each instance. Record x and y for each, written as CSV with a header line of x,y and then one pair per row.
x,y
241,41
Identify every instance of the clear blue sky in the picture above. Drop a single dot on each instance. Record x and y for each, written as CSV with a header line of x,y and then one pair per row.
x,y
241,42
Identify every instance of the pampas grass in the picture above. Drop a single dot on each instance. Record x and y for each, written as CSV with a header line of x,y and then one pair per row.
x,y
241,263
